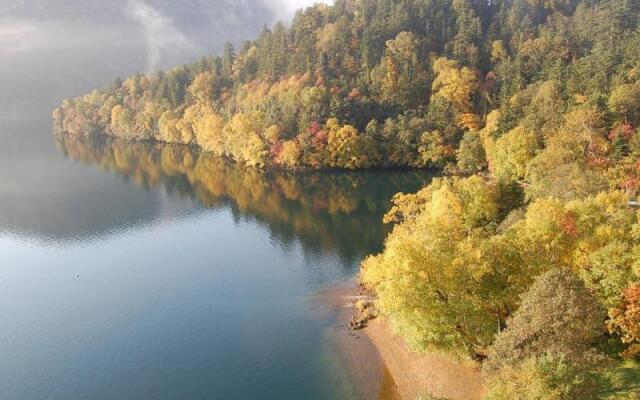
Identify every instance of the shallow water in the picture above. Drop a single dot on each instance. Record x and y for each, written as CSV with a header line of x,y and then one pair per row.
x,y
146,271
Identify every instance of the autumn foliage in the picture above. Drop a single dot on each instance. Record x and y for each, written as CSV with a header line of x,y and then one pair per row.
x,y
531,109
625,320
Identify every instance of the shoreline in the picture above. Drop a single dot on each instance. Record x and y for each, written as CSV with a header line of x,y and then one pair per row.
x,y
381,366
424,373
365,369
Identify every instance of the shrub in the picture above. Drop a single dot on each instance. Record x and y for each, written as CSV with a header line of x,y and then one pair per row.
x,y
558,315
547,377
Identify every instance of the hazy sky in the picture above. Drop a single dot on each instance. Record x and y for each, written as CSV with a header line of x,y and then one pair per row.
x,y
56,9
167,26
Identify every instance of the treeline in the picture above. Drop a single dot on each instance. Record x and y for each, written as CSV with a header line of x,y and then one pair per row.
x,y
319,211
528,259
386,83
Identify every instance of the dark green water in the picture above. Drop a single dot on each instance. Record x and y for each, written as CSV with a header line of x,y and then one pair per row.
x,y
143,271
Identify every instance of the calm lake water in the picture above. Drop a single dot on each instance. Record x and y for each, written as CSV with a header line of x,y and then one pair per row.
x,y
146,271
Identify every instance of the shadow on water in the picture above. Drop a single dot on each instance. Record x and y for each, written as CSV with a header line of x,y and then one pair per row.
x,y
337,212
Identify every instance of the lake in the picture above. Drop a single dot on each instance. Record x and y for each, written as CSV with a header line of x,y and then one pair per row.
x,y
148,271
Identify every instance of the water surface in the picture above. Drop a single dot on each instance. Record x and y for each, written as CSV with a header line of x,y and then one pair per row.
x,y
148,271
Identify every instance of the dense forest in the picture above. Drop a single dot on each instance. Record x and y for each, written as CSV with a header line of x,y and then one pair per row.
x,y
392,83
526,256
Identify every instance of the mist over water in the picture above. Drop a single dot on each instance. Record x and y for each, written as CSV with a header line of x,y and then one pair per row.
x,y
54,50
124,275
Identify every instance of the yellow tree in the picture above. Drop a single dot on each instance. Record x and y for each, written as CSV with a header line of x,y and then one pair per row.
x,y
167,127
201,89
512,153
122,121
342,145
434,256
244,138
208,128
457,85
625,101
290,155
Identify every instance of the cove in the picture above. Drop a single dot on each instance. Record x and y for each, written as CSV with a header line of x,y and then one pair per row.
x,y
210,292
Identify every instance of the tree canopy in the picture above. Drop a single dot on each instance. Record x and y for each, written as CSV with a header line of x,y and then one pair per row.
x,y
412,78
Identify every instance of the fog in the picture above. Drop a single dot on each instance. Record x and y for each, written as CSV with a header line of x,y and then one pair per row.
x,y
159,31
142,35
52,50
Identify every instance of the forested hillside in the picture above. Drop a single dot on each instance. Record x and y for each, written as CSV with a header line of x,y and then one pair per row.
x,y
393,83
528,259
